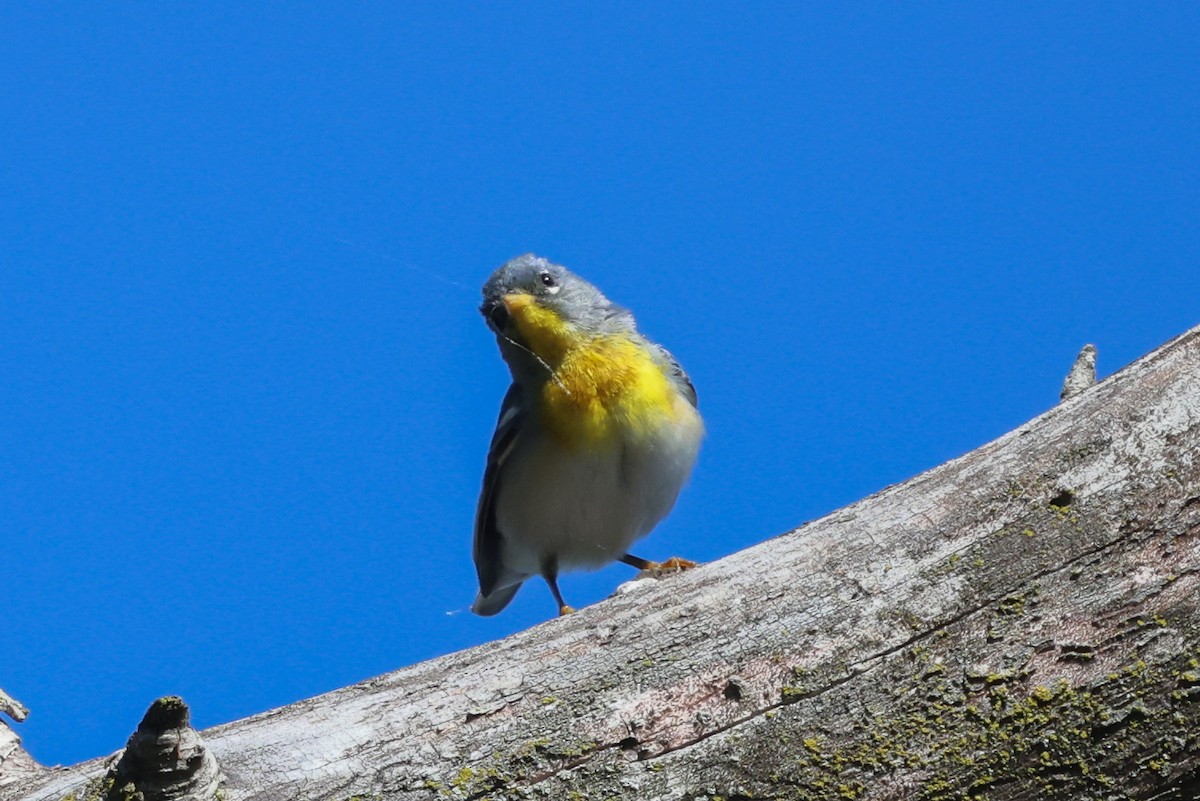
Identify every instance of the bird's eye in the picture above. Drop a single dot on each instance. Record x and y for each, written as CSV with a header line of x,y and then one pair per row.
x,y
547,279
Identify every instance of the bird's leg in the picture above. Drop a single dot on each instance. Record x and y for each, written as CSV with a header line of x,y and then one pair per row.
x,y
550,573
672,565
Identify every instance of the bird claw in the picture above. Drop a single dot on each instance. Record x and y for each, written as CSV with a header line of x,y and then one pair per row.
x,y
673,565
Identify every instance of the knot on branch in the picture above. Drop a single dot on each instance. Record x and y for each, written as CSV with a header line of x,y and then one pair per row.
x,y
164,760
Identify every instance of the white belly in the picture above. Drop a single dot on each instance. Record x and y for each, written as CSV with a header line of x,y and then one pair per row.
x,y
584,510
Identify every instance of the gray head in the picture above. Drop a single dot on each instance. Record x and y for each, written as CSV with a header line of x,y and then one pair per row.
x,y
555,288
530,279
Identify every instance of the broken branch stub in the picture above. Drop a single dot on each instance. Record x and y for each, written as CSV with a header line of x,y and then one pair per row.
x,y
164,760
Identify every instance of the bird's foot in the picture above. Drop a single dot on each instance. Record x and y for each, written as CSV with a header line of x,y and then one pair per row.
x,y
565,610
674,565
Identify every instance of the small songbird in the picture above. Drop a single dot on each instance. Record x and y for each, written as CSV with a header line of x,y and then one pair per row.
x,y
596,436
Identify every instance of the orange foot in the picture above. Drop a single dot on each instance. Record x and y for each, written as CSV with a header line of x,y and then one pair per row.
x,y
674,565
565,610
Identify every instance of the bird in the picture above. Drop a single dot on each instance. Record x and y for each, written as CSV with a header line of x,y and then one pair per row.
x,y
596,436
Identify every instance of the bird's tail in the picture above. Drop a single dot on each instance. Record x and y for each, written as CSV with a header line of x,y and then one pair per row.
x,y
488,605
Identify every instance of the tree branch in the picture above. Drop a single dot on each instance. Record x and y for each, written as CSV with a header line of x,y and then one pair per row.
x,y
1020,623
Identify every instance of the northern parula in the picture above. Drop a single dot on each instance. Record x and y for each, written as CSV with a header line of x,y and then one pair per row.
x,y
596,436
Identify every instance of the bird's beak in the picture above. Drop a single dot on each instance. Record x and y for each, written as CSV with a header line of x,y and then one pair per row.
x,y
515,301
499,311
496,314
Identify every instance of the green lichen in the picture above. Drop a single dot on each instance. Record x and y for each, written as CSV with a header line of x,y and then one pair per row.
x,y
490,778
791,694
103,788
963,734
1042,695
1014,605
463,777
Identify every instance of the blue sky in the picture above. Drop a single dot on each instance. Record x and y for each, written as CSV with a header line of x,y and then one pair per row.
x,y
247,395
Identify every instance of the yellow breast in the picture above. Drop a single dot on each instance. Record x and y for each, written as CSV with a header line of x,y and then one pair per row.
x,y
603,389
607,390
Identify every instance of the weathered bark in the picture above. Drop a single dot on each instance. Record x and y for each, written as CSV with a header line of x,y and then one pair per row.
x,y
12,707
1020,623
1082,374
16,766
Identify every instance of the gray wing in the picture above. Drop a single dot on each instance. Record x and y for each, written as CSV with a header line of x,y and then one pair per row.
x,y
488,539
677,374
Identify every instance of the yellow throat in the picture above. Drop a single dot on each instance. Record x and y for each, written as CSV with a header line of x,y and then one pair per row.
x,y
603,388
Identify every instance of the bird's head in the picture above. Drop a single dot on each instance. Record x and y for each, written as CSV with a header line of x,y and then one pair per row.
x,y
535,304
